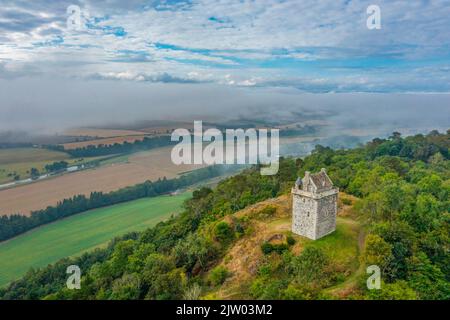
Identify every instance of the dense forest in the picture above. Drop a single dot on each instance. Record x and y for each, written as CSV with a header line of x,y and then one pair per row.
x,y
402,188
15,224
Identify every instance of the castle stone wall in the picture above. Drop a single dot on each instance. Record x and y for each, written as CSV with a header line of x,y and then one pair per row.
x,y
303,221
326,217
314,213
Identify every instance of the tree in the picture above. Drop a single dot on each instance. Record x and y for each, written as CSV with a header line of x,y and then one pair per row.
x,y
377,251
395,135
194,250
119,259
126,288
431,184
34,173
310,267
425,216
427,279
161,278
393,291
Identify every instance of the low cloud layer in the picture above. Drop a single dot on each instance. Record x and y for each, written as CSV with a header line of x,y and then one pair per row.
x,y
50,105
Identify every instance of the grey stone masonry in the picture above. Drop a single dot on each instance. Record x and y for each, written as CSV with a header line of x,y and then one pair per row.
x,y
314,205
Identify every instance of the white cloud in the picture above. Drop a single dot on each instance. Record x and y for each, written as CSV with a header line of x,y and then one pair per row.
x,y
310,45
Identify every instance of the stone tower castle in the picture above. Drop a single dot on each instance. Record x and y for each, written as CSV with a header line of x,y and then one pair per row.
x,y
314,205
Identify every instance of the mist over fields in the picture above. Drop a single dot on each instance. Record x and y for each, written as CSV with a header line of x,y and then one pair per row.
x,y
50,106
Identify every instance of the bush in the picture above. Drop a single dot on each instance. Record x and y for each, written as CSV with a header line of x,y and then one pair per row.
x,y
268,247
267,212
346,201
223,232
267,289
311,267
218,275
193,292
240,229
290,240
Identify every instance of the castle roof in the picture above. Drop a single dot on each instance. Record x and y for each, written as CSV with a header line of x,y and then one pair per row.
x,y
320,180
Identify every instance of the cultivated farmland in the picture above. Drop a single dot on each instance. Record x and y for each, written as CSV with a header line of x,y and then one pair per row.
x,y
82,232
136,168
19,161
16,155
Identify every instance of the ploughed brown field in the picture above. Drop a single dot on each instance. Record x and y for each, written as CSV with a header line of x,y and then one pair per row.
x,y
142,166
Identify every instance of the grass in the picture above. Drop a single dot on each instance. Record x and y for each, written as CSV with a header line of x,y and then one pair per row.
x,y
82,232
342,248
115,159
342,244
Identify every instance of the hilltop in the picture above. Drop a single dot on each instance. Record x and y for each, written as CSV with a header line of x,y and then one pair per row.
x,y
270,222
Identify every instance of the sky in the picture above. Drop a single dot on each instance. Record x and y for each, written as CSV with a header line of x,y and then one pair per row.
x,y
236,47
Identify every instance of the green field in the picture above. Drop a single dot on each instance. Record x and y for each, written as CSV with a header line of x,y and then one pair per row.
x,y
79,233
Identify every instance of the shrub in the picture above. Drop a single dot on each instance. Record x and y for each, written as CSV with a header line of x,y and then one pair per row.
x,y
267,212
218,275
240,228
223,232
290,240
311,267
193,292
268,247
267,289
346,201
